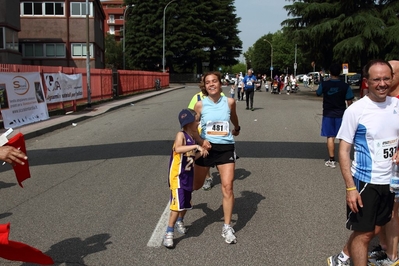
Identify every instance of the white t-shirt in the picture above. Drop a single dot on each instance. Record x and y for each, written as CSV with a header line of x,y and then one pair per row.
x,y
373,129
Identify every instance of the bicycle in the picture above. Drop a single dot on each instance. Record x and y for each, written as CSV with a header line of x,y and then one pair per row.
x,y
158,84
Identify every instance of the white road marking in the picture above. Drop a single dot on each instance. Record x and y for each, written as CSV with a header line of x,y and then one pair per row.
x,y
159,231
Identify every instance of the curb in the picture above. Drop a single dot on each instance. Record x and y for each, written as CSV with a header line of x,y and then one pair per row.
x,y
113,105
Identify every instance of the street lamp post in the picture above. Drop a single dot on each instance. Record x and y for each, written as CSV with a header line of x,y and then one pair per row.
x,y
88,55
271,59
124,37
163,37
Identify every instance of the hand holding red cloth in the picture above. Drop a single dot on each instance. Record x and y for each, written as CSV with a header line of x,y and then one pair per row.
x,y
16,251
21,171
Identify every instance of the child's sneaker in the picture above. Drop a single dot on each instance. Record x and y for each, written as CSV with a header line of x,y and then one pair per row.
x,y
179,225
168,240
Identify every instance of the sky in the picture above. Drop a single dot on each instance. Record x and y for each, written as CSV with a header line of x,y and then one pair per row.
x,y
259,17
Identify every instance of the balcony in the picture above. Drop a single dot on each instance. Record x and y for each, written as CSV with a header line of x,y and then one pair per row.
x,y
117,22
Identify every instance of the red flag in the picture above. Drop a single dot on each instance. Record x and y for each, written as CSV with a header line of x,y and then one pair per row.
x,y
16,251
21,171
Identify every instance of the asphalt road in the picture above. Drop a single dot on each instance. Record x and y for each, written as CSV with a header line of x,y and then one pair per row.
x,y
98,190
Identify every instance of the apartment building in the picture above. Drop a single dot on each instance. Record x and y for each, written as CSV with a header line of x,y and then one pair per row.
x,y
55,33
9,28
114,11
114,18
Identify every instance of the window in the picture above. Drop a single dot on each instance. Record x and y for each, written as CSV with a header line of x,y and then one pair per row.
x,y
47,50
42,9
11,39
39,50
79,9
111,30
79,50
2,45
31,9
54,9
111,19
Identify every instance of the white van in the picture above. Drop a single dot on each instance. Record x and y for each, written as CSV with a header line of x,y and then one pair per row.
x,y
315,77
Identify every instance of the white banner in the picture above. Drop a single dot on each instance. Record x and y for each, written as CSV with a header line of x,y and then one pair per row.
x,y
22,99
62,87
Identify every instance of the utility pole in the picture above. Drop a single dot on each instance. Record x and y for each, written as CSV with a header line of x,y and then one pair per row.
x,y
88,56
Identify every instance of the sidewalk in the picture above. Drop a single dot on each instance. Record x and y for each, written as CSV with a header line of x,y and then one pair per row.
x,y
60,121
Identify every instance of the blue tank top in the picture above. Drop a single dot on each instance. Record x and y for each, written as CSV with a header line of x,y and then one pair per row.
x,y
215,121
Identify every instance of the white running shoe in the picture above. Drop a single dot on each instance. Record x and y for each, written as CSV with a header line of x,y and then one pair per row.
x,y
330,164
387,262
168,240
208,184
180,227
336,261
228,234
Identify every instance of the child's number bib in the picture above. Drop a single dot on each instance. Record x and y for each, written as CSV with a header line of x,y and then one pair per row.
x,y
385,149
217,128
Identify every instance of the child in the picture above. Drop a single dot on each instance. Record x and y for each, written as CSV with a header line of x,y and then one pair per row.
x,y
181,173
232,91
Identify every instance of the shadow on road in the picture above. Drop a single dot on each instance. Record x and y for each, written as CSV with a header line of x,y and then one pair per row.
x,y
6,185
249,149
245,207
4,215
72,251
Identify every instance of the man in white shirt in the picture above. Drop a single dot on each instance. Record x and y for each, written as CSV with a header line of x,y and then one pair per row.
x,y
371,126
305,79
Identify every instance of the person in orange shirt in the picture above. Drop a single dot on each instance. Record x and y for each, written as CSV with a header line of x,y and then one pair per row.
x,y
363,89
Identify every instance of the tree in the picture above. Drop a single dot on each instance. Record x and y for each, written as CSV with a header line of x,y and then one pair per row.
x,y
113,53
196,32
344,31
283,54
240,67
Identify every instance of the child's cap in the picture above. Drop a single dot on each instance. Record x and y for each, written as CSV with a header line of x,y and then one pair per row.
x,y
186,117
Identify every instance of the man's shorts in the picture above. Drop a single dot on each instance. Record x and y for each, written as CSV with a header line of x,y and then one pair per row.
x,y
180,199
218,154
330,126
377,207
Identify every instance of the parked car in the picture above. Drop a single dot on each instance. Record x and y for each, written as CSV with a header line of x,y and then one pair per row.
x,y
354,80
315,77
299,77
232,78
230,81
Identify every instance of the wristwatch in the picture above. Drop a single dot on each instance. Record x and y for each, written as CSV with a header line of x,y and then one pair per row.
x,y
237,129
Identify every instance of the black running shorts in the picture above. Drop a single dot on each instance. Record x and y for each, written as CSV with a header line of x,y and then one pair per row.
x,y
218,154
377,208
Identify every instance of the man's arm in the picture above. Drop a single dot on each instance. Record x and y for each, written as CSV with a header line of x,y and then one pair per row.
x,y
319,90
353,198
349,102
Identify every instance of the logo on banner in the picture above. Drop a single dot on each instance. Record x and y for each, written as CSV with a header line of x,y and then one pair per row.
x,y
21,85
52,85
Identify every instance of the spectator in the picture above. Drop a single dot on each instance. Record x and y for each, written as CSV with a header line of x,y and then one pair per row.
x,y
336,95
